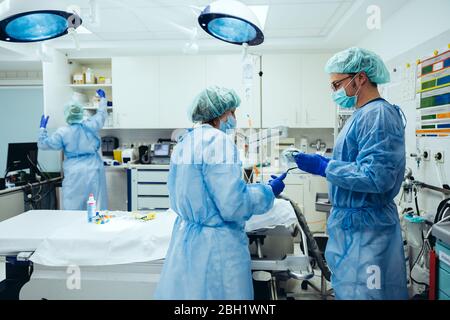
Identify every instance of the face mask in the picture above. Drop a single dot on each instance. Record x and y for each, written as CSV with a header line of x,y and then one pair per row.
x,y
341,98
228,125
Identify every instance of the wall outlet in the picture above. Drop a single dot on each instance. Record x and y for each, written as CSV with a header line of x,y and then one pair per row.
x,y
439,156
426,155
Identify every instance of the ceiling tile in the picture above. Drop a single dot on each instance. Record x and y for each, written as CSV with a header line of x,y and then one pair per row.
x,y
304,15
117,20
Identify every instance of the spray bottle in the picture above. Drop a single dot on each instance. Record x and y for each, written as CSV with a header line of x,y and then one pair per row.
x,y
91,207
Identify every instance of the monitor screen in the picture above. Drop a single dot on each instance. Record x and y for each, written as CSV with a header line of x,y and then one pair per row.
x,y
22,156
161,150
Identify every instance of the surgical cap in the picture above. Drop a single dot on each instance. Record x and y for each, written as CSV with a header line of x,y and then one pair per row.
x,y
73,112
212,103
354,60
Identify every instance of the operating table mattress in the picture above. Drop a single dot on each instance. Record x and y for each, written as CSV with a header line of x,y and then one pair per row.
x,y
62,238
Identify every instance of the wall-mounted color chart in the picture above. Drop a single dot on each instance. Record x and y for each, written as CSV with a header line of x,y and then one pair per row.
x,y
433,109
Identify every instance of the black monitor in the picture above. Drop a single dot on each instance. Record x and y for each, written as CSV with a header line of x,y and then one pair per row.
x,y
22,156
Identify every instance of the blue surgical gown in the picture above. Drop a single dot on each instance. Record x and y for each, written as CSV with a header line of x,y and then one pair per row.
x,y
208,257
365,246
83,167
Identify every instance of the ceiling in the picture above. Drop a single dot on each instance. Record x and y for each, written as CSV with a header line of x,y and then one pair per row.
x,y
123,27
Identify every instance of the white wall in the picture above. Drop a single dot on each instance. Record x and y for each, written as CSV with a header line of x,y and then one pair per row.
x,y
21,109
427,171
417,22
412,33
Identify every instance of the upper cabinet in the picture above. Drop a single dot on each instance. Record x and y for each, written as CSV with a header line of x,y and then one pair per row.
x,y
281,90
318,109
156,91
181,78
75,80
137,92
57,92
226,71
296,91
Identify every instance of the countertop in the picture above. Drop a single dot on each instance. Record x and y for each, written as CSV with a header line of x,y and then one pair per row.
x,y
138,166
20,188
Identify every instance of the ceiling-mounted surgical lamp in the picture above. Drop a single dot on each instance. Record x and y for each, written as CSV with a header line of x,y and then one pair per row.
x,y
40,25
233,22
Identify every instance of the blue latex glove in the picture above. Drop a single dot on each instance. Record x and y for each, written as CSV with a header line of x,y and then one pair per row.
x,y
101,93
324,158
277,184
44,121
312,163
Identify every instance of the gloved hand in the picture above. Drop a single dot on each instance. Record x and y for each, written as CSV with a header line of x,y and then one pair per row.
x,y
101,93
277,184
312,163
324,158
44,121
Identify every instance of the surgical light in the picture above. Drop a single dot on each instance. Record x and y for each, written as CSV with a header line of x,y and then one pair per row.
x,y
231,21
39,25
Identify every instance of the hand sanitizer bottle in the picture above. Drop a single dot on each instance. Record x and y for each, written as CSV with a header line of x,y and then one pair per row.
x,y
91,208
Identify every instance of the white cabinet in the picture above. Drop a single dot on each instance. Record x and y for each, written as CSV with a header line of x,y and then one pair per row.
x,y
318,109
281,90
316,220
155,92
226,71
136,94
148,187
56,78
296,91
181,79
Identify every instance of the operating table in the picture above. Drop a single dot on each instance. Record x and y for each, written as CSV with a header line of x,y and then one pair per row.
x,y
279,252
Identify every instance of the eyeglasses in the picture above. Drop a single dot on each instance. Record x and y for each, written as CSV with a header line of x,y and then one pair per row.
x,y
335,84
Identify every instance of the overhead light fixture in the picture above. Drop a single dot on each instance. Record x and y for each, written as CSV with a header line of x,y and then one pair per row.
x,y
83,30
33,26
261,13
232,21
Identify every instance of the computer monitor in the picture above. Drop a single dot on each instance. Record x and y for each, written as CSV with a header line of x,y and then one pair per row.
x,y
162,150
22,156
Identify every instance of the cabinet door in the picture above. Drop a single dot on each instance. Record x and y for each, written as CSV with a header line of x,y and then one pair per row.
x,y
281,90
136,92
318,110
226,71
56,80
295,193
181,79
316,219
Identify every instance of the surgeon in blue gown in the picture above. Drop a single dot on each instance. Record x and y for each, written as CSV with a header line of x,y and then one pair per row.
x,y
83,167
365,246
208,257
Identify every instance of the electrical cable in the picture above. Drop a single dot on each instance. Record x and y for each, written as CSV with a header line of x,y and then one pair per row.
x,y
416,202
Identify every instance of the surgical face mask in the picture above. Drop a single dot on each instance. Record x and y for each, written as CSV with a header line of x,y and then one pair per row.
x,y
341,98
228,125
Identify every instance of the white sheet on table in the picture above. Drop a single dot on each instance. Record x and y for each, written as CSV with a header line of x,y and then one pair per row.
x,y
281,214
27,230
62,238
122,240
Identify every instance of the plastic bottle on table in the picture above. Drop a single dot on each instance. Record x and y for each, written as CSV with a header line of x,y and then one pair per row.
x,y
91,207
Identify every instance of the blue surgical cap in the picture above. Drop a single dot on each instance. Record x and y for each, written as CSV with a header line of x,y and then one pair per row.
x,y
212,103
73,112
354,60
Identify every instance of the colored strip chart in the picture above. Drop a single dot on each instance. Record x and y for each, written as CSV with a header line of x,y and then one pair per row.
x,y
433,110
